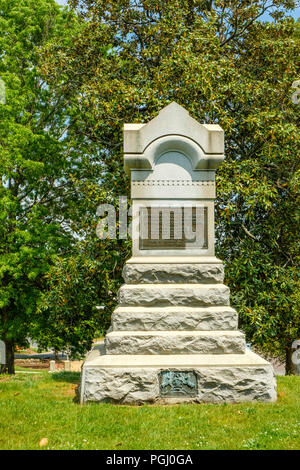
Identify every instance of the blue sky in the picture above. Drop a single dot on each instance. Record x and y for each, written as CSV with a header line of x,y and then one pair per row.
x,y
296,13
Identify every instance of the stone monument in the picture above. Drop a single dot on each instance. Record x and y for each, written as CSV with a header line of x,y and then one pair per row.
x,y
174,336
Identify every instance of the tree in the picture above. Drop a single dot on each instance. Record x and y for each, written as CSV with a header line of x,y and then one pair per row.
x,y
263,214
224,65
89,276
36,194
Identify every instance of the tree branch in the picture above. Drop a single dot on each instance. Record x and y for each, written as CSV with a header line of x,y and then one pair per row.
x,y
249,234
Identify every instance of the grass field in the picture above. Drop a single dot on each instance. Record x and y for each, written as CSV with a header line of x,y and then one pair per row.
x,y
36,406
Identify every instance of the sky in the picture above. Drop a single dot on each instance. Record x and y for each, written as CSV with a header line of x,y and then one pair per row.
x,y
296,13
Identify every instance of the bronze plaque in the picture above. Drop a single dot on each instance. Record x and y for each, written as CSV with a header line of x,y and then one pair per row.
x,y
164,228
178,383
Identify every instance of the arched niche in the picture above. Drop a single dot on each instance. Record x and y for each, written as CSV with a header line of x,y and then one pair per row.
x,y
173,165
174,143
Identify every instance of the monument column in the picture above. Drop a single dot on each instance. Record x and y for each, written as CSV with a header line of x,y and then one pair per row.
x,y
174,336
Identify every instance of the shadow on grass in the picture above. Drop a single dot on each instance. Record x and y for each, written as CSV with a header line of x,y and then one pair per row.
x,y
69,377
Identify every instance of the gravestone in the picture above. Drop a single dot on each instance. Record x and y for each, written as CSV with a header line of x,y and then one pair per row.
x,y
2,352
174,336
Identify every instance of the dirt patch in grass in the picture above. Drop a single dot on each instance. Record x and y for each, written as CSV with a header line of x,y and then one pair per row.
x,y
33,363
4,378
70,391
25,351
42,364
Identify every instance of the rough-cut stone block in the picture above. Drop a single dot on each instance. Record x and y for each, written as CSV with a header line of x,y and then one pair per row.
x,y
175,342
174,318
134,379
173,273
194,295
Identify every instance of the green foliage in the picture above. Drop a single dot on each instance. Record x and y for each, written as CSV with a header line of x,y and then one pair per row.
x,y
225,66
71,82
36,193
89,277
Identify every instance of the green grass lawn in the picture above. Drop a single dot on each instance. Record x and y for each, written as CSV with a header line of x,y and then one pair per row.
x,y
39,406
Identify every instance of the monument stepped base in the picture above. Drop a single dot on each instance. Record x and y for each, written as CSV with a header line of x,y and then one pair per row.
x,y
175,342
174,337
174,318
134,379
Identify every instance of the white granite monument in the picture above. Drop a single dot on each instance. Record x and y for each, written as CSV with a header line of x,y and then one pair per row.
x,y
174,337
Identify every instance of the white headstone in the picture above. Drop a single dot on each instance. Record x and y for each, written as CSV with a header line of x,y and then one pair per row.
x,y
2,352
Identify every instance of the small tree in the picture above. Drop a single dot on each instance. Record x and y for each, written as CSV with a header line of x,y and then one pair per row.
x,y
76,284
35,193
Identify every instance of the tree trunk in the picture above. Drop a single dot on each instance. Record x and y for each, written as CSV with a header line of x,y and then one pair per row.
x,y
289,365
9,366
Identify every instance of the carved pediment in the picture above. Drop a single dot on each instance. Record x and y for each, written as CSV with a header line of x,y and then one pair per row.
x,y
173,129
